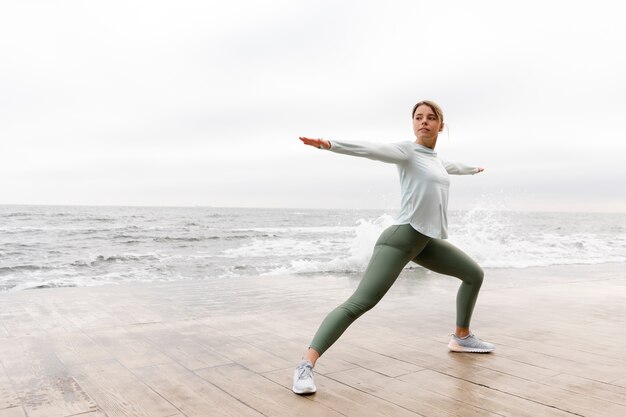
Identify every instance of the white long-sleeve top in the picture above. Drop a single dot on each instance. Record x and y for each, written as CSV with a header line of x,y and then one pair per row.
x,y
424,181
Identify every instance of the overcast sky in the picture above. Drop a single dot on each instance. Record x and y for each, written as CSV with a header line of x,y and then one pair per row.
x,y
201,102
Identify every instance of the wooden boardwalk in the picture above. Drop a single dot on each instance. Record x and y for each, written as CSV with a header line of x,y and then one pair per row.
x,y
227,347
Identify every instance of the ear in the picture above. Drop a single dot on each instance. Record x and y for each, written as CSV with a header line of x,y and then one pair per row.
x,y
441,127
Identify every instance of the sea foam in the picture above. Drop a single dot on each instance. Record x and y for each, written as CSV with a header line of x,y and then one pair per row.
x,y
44,247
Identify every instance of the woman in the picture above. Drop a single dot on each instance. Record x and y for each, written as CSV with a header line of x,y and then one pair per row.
x,y
417,235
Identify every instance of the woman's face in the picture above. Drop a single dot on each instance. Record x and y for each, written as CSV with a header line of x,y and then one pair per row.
x,y
426,125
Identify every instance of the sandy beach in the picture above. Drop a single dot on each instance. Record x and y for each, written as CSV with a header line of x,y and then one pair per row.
x,y
227,347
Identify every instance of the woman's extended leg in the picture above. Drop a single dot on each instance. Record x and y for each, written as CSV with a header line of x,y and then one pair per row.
x,y
396,246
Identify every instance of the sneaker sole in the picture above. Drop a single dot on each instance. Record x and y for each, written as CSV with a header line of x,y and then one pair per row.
x,y
454,348
303,392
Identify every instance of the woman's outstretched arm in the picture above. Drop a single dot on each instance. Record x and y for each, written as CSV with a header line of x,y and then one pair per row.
x,y
393,153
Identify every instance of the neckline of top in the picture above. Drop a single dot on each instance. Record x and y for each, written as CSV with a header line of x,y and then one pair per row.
x,y
424,149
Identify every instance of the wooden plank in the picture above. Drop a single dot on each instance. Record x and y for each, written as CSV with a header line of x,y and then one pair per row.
x,y
292,352
131,350
262,394
99,413
481,396
405,395
44,386
191,394
119,393
570,360
435,355
232,348
74,348
342,397
350,355
275,343
588,387
374,361
3,330
94,313
8,396
253,358
20,323
466,367
182,348
546,394
13,412
553,335
239,324
48,317
620,382
209,337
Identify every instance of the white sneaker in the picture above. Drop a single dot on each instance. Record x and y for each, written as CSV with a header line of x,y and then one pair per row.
x,y
469,343
303,379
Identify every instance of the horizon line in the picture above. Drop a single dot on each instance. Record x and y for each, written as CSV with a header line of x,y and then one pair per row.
x,y
287,208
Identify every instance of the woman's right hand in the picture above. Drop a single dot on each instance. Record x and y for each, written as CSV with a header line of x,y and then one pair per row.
x,y
318,143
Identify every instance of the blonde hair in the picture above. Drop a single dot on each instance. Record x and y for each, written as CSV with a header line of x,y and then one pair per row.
x,y
433,106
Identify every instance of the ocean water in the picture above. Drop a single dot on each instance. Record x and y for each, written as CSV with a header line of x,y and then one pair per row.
x,y
54,246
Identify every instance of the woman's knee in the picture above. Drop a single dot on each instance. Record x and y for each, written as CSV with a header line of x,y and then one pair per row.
x,y
477,275
359,306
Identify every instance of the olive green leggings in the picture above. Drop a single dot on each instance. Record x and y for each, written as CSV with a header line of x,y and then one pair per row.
x,y
395,247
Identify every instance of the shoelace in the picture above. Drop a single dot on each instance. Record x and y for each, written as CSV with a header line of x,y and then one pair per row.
x,y
304,371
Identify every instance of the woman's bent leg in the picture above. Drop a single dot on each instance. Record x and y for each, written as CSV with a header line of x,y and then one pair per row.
x,y
445,258
396,246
